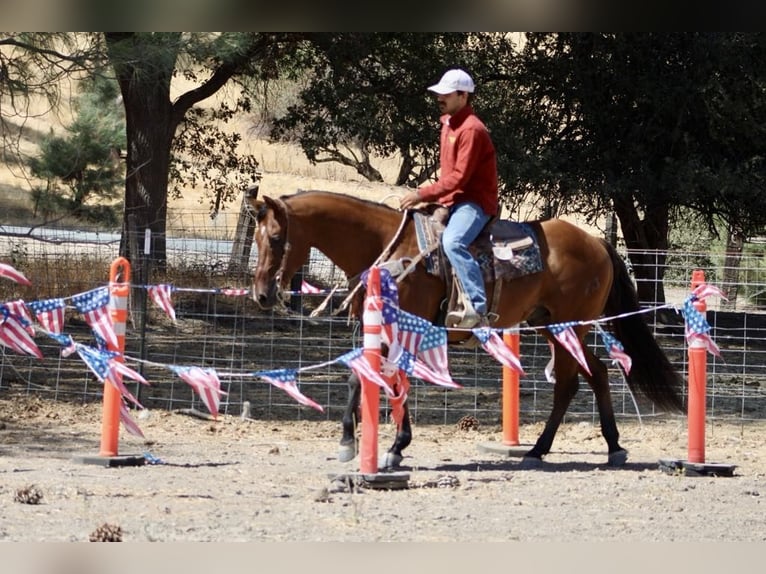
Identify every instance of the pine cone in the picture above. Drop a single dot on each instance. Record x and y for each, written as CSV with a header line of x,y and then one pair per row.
x,y
468,422
28,495
106,533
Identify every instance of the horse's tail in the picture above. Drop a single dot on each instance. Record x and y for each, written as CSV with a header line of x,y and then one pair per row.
x,y
651,373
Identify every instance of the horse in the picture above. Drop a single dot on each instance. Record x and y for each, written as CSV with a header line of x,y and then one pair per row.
x,y
583,278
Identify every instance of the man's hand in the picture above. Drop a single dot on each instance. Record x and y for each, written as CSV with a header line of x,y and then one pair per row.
x,y
409,199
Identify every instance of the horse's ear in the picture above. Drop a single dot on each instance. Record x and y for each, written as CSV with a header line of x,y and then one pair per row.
x,y
252,198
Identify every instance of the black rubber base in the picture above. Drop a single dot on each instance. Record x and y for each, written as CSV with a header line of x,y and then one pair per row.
x,y
518,450
112,461
378,480
675,466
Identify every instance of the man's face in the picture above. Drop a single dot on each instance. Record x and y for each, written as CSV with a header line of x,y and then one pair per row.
x,y
452,102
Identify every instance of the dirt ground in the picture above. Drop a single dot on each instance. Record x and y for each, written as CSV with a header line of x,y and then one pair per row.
x,y
252,480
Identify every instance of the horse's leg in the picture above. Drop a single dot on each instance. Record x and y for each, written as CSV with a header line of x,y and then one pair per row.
x,y
564,389
402,440
348,446
600,385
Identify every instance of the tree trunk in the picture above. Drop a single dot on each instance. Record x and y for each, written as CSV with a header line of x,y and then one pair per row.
x,y
150,124
647,243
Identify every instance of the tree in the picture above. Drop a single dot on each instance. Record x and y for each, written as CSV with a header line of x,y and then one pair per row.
x,y
86,159
144,64
646,123
33,66
367,96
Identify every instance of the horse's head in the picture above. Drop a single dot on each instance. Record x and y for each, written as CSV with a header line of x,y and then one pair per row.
x,y
272,273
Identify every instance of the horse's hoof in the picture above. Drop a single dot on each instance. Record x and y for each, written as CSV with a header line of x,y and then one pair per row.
x,y
346,452
530,462
392,460
618,457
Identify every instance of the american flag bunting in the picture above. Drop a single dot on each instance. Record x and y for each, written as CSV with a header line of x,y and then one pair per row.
x,y
160,294
308,288
14,334
697,327
615,349
357,362
50,314
494,344
19,309
206,384
287,380
127,421
565,334
233,292
94,305
10,272
107,368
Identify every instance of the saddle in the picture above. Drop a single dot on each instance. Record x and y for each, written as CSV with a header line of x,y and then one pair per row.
x,y
504,249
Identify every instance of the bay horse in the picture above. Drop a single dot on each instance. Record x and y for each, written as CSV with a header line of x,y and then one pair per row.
x,y
583,278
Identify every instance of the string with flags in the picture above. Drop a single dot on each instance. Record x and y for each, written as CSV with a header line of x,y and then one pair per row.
x,y
416,346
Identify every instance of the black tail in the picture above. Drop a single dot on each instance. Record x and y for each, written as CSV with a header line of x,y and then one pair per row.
x,y
651,374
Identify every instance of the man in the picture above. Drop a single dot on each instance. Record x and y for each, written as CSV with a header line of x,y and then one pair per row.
x,y
467,185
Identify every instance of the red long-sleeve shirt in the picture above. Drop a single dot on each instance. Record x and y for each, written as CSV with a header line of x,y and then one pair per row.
x,y
467,162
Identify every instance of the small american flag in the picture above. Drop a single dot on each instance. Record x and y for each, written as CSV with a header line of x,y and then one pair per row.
x,y
206,384
615,349
127,421
566,335
19,309
411,365
14,334
10,272
697,327
107,368
66,342
494,344
429,344
308,288
160,294
286,379
357,362
93,305
50,314
233,292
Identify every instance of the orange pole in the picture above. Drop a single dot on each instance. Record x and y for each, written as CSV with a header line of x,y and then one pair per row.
x,y
511,394
119,289
370,401
697,385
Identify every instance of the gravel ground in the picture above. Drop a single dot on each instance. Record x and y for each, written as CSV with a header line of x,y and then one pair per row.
x,y
254,480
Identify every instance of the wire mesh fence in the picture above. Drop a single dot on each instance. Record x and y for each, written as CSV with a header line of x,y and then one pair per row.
x,y
227,332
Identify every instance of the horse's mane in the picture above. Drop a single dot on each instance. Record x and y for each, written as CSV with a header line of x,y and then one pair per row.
x,y
303,192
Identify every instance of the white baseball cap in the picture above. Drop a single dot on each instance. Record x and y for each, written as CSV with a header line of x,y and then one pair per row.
x,y
455,80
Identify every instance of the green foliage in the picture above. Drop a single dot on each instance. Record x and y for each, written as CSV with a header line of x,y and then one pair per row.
x,y
83,166
367,95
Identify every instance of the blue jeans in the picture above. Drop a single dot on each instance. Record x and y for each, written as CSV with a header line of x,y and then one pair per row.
x,y
466,220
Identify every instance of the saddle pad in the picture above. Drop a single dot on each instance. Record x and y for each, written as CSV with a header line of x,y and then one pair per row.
x,y
515,250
